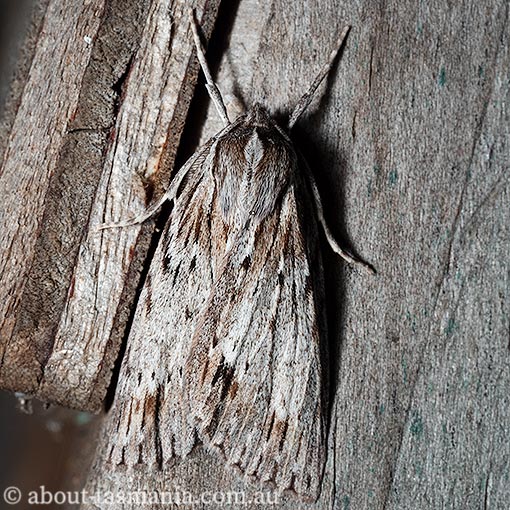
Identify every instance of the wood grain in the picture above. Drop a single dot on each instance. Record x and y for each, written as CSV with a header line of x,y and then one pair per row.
x,y
409,140
49,99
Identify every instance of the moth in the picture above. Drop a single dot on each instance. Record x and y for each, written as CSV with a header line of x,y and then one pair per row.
x,y
225,346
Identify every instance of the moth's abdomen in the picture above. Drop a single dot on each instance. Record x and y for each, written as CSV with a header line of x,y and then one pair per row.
x,y
255,162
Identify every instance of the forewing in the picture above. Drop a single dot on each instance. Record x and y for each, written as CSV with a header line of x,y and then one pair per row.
x,y
254,374
150,411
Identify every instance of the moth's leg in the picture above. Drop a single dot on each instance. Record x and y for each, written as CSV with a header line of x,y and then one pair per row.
x,y
303,103
345,254
169,195
149,212
212,88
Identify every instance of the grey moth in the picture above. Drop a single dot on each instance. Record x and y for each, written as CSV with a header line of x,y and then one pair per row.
x,y
225,347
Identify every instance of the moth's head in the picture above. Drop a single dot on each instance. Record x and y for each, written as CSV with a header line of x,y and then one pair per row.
x,y
258,116
259,122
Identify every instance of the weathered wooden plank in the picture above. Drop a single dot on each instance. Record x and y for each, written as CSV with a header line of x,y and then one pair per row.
x,y
49,100
64,333
410,144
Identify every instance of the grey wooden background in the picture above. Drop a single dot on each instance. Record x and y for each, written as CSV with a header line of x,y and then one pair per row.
x,y
409,141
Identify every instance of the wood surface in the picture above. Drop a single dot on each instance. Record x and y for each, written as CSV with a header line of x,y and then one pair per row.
x,y
409,140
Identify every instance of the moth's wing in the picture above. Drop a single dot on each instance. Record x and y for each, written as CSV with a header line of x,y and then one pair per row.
x,y
254,375
149,423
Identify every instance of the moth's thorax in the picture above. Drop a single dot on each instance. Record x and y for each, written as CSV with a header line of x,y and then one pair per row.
x,y
255,162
